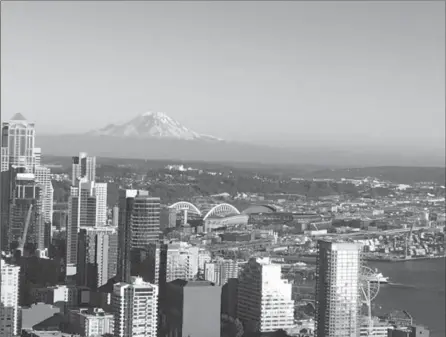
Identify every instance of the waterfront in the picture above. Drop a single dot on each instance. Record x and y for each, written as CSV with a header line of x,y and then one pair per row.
x,y
419,288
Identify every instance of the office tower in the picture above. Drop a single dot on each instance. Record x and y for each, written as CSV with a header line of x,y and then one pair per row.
x,y
337,298
83,167
97,256
191,308
26,211
9,309
138,227
101,203
264,298
81,213
7,186
43,177
18,137
220,270
135,308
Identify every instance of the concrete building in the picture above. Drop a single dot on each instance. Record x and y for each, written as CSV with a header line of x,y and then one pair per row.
x,y
135,308
97,256
83,167
220,270
91,322
139,226
9,310
43,177
191,308
82,210
265,301
101,203
26,199
18,139
338,298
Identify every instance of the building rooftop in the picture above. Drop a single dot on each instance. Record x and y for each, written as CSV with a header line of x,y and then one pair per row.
x,y
192,283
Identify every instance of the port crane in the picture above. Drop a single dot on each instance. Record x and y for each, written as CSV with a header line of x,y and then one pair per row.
x,y
21,247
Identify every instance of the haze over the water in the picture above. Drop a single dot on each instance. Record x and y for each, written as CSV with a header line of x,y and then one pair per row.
x,y
286,73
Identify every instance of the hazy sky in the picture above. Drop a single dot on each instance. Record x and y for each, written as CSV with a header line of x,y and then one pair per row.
x,y
264,71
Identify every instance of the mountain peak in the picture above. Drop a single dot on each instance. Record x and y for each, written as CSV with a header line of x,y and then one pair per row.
x,y
152,125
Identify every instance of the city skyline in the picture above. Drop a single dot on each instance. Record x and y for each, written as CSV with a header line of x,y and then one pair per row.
x,y
298,64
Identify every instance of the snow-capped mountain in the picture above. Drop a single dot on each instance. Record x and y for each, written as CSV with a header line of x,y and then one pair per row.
x,y
149,125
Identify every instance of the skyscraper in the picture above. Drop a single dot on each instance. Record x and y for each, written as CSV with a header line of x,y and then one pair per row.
x,y
18,137
338,289
265,301
26,202
97,256
83,167
135,308
139,226
100,190
81,213
9,308
43,177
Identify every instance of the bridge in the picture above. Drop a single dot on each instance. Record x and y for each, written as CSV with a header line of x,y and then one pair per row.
x,y
186,207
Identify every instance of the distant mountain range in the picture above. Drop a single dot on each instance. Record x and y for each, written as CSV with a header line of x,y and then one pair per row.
x,y
154,135
151,125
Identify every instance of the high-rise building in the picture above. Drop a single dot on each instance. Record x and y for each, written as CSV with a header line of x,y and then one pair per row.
x,y
83,167
81,213
43,177
220,271
26,203
265,301
135,308
139,226
338,300
101,203
9,309
97,256
18,137
191,308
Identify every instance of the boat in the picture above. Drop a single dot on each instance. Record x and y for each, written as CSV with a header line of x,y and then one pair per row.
x,y
378,278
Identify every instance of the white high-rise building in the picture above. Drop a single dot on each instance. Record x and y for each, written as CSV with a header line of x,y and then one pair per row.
x,y
101,203
18,138
9,309
338,300
83,167
135,308
264,299
220,270
81,213
43,177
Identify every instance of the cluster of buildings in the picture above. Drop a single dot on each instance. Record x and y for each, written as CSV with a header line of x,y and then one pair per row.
x,y
125,278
